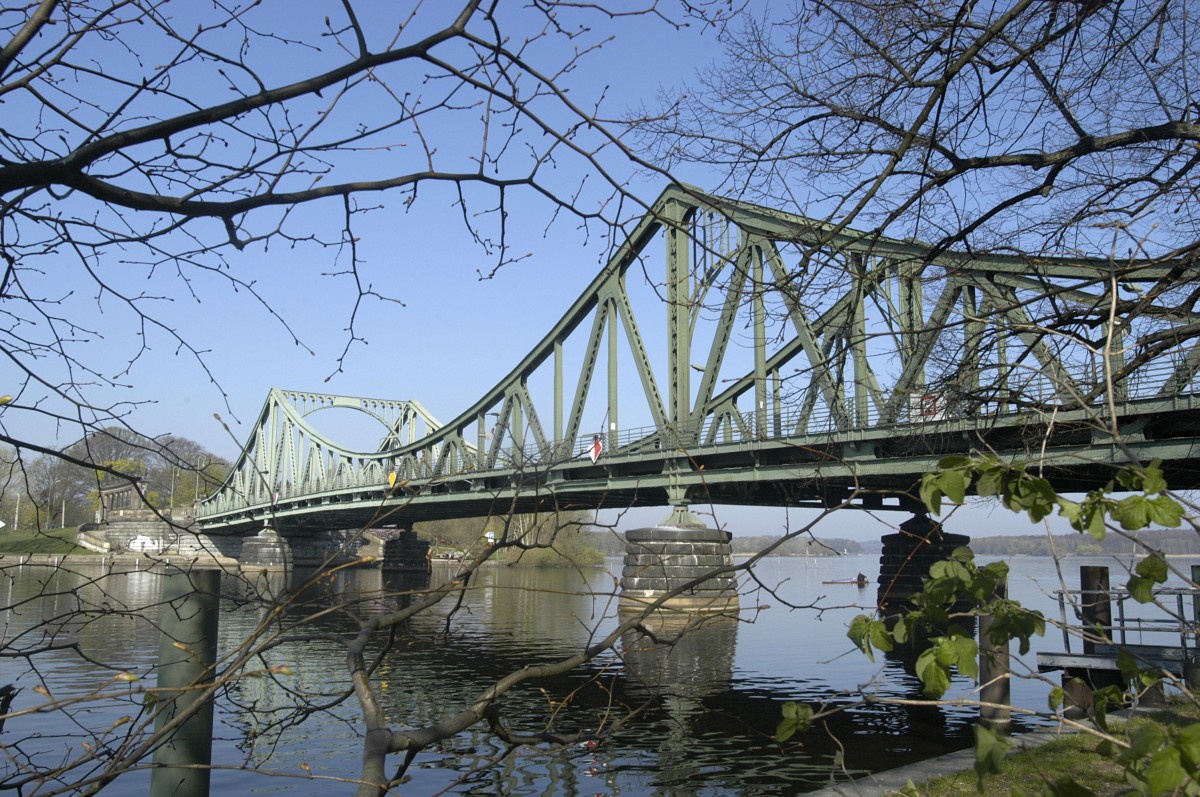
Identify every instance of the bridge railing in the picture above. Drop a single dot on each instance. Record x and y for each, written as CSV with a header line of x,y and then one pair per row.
x,y
1170,623
736,427
729,426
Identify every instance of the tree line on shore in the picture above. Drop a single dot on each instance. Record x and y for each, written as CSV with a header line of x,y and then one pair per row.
x,y
1168,541
59,489
555,539
612,543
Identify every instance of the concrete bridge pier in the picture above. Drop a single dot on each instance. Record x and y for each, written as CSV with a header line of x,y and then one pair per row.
x,y
907,556
267,550
663,558
406,552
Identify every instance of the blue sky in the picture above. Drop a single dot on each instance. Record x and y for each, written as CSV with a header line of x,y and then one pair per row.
x,y
448,336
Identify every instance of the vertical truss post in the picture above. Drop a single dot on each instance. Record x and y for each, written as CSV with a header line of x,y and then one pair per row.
x,y
760,344
481,441
612,377
858,341
972,343
912,315
517,425
561,450
678,317
1002,374
777,401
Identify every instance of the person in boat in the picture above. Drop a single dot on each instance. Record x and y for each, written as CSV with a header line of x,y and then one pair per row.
x,y
862,579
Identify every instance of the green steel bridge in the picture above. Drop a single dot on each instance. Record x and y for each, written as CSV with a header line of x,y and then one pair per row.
x,y
799,365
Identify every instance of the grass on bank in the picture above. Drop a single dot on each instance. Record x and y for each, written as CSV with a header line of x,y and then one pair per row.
x,y
43,541
1070,756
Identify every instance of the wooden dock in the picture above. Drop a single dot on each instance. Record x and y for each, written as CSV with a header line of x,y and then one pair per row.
x,y
1163,636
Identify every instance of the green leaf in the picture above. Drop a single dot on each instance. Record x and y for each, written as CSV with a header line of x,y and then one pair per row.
x,y
1153,481
1140,589
990,750
1132,670
1095,525
902,632
1044,499
1056,698
1144,741
1165,773
951,569
930,494
797,717
1071,510
1165,511
933,674
1127,664
880,638
965,555
857,633
1101,700
966,655
1151,571
869,635
1188,741
953,485
1132,512
1153,567
990,482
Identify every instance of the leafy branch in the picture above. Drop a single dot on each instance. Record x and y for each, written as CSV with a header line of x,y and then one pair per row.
x,y
1020,491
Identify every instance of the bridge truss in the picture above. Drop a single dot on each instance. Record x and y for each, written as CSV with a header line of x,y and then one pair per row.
x,y
799,364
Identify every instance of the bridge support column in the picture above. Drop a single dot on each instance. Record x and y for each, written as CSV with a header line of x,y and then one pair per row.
x,y
267,550
907,556
406,551
662,559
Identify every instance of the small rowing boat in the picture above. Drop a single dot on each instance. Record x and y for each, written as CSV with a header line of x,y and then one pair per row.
x,y
860,582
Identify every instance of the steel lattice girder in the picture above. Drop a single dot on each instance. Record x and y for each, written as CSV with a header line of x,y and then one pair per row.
x,y
881,355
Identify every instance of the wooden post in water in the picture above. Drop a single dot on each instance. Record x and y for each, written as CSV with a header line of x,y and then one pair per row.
x,y
1095,604
994,686
189,619
1191,667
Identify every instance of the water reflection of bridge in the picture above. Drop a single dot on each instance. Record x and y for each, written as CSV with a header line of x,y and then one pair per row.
x,y
700,725
829,366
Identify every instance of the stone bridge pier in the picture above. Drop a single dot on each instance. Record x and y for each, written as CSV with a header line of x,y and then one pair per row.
x,y
267,550
270,550
662,559
405,551
907,556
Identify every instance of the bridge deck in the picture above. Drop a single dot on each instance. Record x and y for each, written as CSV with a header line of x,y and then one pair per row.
x,y
873,468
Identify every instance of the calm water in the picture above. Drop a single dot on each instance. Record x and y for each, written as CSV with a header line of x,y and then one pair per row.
x,y
709,704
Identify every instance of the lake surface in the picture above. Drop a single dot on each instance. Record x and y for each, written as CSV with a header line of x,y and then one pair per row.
x,y
708,704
